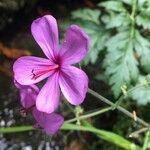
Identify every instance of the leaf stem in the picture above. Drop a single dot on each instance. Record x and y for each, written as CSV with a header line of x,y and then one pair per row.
x,y
122,97
105,135
136,133
16,129
123,110
132,16
89,115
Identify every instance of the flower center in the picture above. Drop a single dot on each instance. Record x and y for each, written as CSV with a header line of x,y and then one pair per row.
x,y
36,73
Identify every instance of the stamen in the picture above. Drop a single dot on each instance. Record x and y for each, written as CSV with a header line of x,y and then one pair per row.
x,y
37,73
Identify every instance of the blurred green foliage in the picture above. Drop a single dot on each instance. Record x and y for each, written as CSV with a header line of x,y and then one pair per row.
x,y
119,31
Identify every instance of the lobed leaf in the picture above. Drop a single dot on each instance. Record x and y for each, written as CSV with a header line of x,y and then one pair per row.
x,y
141,94
87,15
142,47
113,5
143,19
116,19
129,2
120,63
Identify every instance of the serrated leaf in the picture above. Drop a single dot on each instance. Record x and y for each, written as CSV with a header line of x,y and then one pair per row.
x,y
141,94
143,4
142,47
129,2
116,20
113,43
143,19
120,63
113,5
97,44
87,15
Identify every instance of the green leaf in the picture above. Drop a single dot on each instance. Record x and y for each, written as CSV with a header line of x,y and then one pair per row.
x,y
143,15
142,47
64,24
129,2
113,5
116,19
143,19
105,135
97,39
120,63
141,94
143,4
146,144
87,15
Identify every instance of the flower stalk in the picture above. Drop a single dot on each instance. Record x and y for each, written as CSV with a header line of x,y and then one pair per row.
x,y
120,108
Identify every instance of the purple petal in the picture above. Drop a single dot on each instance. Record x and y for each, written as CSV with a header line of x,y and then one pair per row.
x,y
49,122
45,33
74,84
28,94
48,98
24,66
75,45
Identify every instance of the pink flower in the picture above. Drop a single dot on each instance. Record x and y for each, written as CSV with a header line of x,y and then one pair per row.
x,y
50,123
62,76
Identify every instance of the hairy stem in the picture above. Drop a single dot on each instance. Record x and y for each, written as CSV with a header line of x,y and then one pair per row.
x,y
122,97
123,110
89,115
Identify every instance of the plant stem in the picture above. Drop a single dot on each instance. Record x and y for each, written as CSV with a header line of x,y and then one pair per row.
x,y
89,115
122,97
123,110
105,135
136,133
16,129
133,8
146,140
132,16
